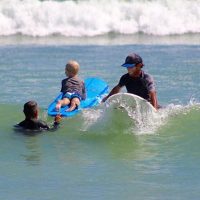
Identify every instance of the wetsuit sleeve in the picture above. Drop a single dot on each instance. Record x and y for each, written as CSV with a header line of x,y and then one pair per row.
x,y
43,125
21,124
52,127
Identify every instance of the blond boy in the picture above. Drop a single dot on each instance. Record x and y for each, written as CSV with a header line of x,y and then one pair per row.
x,y
73,88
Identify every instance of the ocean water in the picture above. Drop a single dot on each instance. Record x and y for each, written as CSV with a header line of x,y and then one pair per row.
x,y
102,153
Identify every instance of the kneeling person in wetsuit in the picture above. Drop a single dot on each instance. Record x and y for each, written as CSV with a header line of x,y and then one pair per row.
x,y
32,122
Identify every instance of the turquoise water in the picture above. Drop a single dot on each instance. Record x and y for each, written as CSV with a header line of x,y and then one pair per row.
x,y
101,153
35,71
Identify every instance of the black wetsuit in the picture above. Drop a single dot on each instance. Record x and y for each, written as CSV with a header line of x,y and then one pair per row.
x,y
36,125
33,124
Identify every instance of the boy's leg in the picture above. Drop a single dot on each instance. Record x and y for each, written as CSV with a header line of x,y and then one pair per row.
x,y
62,102
74,103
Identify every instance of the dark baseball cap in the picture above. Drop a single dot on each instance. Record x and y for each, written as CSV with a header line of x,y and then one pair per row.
x,y
131,60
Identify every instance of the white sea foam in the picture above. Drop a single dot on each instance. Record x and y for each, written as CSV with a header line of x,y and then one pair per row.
x,y
145,120
94,17
119,116
148,122
90,117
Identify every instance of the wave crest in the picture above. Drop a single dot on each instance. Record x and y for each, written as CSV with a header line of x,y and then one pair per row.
x,y
91,18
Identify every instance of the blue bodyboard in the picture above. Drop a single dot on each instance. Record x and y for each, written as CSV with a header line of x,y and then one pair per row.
x,y
95,89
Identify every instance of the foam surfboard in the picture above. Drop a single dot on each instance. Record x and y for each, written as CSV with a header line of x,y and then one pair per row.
x,y
96,88
130,100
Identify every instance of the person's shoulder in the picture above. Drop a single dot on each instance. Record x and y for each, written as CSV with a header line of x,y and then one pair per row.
x,y
147,76
64,80
20,128
22,122
20,125
36,124
146,73
31,126
125,75
78,79
123,80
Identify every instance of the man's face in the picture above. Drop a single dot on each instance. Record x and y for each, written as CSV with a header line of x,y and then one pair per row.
x,y
131,70
135,69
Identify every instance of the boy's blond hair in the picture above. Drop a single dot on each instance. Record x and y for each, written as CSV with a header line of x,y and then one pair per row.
x,y
72,67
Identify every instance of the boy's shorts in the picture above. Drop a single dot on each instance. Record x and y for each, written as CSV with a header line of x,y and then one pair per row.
x,y
71,95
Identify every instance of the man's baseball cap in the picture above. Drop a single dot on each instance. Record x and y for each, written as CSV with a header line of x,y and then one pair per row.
x,y
131,60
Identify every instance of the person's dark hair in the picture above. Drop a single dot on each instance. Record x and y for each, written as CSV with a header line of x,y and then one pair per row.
x,y
30,109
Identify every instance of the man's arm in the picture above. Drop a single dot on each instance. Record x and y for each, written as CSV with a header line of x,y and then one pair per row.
x,y
115,90
153,99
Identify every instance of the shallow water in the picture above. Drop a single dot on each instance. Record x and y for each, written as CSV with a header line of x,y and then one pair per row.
x,y
101,153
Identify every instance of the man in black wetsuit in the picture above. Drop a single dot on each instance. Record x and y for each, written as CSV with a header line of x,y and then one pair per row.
x,y
32,122
136,81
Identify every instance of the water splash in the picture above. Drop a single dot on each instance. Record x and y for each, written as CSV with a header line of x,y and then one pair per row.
x,y
90,117
121,116
146,120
